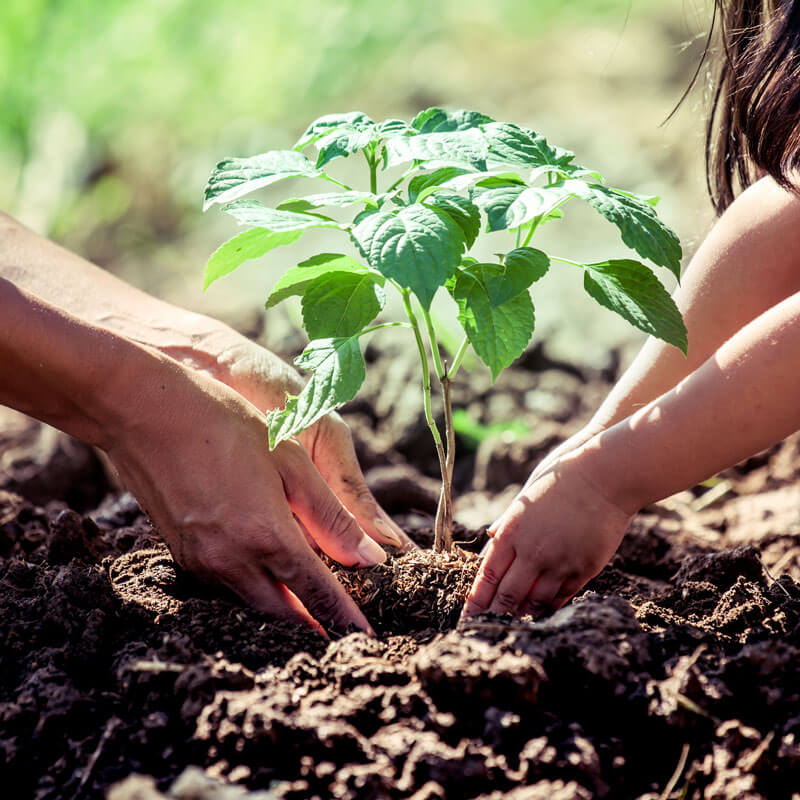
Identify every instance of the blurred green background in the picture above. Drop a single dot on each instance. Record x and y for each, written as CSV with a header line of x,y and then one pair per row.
x,y
115,111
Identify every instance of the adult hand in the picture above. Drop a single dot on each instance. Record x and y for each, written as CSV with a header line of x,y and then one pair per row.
x,y
556,535
194,453
264,379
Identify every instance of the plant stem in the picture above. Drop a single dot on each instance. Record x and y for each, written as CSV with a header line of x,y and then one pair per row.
x,y
408,172
443,535
566,261
373,172
338,183
458,358
437,361
531,231
383,325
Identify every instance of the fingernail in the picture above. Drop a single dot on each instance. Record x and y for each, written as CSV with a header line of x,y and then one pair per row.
x,y
370,552
385,530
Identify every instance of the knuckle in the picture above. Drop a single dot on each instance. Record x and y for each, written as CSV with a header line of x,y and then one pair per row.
x,y
490,576
322,604
357,488
336,519
505,601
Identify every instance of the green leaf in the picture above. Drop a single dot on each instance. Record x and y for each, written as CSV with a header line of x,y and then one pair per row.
x,y
421,186
464,148
634,292
236,177
341,303
297,279
323,126
461,210
520,268
248,244
392,127
522,147
638,223
512,206
435,120
498,334
418,247
339,371
343,142
250,212
503,282
338,199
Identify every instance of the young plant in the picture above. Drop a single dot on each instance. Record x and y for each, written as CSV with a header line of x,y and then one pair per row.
x,y
412,231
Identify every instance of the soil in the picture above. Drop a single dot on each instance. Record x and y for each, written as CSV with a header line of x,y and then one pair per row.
x,y
675,674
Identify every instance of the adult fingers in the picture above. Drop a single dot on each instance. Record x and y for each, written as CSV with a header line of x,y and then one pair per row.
x,y
265,594
512,589
334,455
312,583
321,512
493,567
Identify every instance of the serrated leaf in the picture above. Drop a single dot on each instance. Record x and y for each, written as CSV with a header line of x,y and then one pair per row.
x,y
498,334
435,120
512,206
634,292
323,126
638,223
464,148
236,177
418,247
343,142
249,244
520,268
338,199
522,147
503,282
461,210
251,212
338,372
295,280
392,127
341,303
421,186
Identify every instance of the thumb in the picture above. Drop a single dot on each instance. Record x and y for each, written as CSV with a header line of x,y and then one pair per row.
x,y
335,457
321,513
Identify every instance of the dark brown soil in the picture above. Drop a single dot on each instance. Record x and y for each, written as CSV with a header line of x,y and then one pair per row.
x,y
681,659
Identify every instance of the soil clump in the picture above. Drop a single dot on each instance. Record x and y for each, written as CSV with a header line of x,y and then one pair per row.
x,y
678,666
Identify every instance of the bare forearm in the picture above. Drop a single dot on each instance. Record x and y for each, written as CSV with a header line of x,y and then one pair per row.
x,y
740,401
747,264
69,282
61,369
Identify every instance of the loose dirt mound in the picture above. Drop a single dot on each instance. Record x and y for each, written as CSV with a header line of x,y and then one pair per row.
x,y
681,659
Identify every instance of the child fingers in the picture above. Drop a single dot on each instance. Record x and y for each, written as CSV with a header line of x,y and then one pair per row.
x,y
541,598
569,588
512,589
493,567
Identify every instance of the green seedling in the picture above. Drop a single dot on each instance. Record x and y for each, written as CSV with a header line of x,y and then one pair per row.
x,y
473,433
432,188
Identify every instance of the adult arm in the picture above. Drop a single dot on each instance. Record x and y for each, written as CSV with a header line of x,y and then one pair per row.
x,y
184,434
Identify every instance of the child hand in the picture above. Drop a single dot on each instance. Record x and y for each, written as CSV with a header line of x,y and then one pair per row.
x,y
556,535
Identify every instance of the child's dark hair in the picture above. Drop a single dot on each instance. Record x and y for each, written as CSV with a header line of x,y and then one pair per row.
x,y
754,124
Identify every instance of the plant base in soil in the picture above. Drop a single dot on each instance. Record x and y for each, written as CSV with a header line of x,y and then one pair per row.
x,y
419,591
